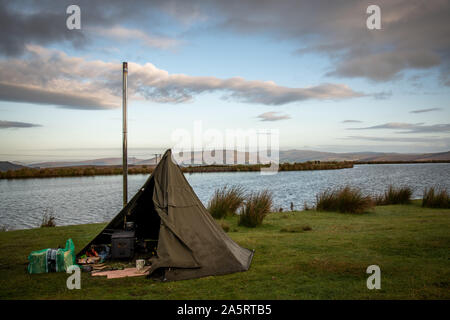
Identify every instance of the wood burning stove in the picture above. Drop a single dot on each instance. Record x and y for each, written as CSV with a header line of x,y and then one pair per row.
x,y
122,244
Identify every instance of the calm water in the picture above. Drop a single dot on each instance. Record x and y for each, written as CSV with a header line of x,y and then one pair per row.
x,y
98,199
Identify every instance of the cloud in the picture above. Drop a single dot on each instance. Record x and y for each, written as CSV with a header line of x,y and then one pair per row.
x,y
44,22
52,77
15,124
410,127
432,139
390,125
121,33
414,34
273,116
18,28
425,110
38,95
386,65
383,95
351,121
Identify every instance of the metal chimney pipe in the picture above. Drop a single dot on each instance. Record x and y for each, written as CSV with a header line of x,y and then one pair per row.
x,y
124,132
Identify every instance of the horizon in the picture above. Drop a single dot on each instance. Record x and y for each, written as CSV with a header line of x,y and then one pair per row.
x,y
316,73
148,154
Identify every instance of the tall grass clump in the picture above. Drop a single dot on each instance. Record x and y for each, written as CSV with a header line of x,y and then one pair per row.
x,y
255,209
395,195
436,198
48,219
345,200
226,201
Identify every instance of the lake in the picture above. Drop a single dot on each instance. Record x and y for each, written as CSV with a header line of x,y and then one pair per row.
x,y
77,200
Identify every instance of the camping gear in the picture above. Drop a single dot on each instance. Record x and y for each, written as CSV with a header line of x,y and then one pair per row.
x,y
122,244
127,272
140,264
52,260
190,244
86,268
95,254
129,226
91,252
88,260
99,266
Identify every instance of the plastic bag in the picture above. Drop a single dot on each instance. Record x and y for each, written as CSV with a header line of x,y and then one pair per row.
x,y
52,260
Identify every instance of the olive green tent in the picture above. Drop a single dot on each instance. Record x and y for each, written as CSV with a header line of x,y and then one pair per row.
x,y
190,243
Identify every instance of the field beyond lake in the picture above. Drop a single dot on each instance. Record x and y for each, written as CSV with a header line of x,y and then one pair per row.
x,y
298,255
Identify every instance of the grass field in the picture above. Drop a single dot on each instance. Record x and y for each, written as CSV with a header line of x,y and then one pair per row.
x,y
411,245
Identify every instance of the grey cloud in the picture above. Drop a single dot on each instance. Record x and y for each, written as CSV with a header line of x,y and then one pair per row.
x,y
410,127
52,77
273,116
433,139
382,95
43,22
390,125
16,124
443,127
20,93
18,28
386,65
414,34
126,34
351,121
425,110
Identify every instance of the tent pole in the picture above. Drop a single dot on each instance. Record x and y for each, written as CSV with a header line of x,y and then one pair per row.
x,y
124,142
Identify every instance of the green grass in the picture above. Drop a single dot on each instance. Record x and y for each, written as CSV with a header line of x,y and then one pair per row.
x,y
408,242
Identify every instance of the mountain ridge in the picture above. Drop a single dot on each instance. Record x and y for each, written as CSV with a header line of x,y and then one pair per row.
x,y
292,155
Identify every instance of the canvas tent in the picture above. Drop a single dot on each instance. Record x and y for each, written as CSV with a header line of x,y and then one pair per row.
x,y
190,243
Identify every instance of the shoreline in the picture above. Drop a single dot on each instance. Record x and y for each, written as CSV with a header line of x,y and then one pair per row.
x,y
87,171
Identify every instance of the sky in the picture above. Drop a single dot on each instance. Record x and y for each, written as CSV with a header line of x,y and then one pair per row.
x,y
312,70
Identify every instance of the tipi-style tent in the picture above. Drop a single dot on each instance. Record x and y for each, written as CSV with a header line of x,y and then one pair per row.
x,y
190,243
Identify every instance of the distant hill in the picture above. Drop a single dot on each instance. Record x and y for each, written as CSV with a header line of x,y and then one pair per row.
x,y
95,162
285,156
307,155
6,165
